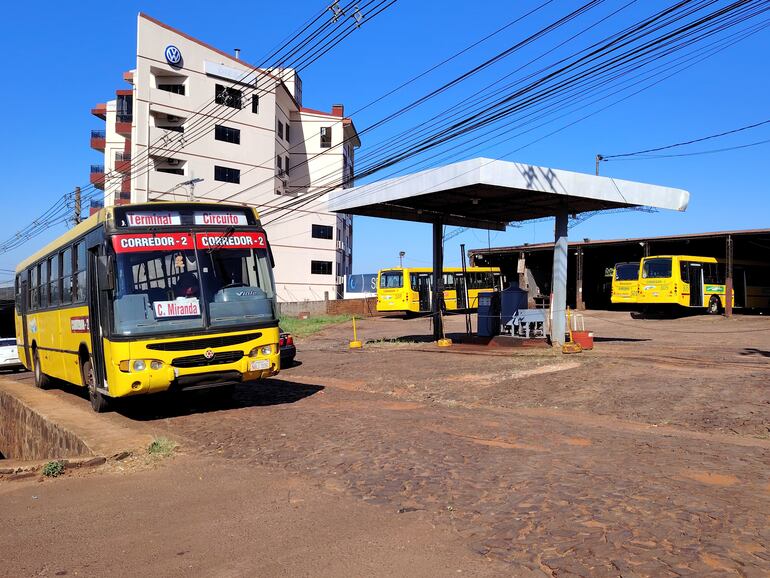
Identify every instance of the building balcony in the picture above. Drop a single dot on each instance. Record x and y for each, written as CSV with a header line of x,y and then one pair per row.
x,y
98,140
123,124
97,176
100,111
123,162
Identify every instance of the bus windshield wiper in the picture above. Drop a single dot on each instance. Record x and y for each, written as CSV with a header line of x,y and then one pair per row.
x,y
228,233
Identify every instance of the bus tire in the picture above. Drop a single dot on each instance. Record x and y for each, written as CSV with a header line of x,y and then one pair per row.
x,y
42,381
99,402
714,306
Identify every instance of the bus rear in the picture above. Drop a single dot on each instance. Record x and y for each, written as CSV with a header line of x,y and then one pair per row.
x,y
393,294
625,283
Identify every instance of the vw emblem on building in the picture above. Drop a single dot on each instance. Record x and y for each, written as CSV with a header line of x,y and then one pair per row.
x,y
208,354
173,55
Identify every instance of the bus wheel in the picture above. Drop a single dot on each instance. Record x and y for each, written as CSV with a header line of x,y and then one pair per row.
x,y
715,306
99,401
42,381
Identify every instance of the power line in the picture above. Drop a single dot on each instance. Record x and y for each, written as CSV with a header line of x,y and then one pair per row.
x,y
689,142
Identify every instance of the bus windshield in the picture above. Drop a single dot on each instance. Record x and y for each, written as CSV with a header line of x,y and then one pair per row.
x,y
161,290
391,280
627,271
659,268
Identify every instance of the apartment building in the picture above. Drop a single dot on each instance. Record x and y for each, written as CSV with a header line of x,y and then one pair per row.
x,y
197,122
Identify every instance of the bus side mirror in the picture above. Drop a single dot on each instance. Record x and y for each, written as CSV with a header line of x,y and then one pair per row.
x,y
106,273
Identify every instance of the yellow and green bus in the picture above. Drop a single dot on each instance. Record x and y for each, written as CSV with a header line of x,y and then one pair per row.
x,y
409,290
625,283
145,298
683,281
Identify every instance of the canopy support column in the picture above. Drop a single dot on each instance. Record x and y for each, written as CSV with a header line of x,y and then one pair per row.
x,y
559,279
438,279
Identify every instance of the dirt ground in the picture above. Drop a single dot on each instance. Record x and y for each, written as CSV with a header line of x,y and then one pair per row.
x,y
648,456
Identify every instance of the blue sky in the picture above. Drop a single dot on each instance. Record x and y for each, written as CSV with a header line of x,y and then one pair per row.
x,y
59,63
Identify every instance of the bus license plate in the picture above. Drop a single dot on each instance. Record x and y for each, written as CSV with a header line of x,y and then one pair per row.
x,y
259,364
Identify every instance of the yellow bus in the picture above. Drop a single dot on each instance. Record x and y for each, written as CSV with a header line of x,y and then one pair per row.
x,y
145,298
682,280
409,290
625,283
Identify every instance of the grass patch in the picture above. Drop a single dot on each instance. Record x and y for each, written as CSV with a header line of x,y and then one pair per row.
x,y
303,327
162,447
53,469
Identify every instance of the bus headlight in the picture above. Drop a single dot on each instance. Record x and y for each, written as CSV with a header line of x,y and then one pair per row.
x,y
155,364
138,365
264,350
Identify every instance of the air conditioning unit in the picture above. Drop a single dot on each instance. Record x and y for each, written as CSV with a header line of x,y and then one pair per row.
x,y
173,162
340,280
340,245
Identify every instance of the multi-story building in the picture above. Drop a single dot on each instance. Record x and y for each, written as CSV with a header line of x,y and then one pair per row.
x,y
200,123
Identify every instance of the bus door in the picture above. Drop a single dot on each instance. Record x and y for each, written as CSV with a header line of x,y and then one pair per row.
x,y
695,274
423,290
462,294
23,306
96,299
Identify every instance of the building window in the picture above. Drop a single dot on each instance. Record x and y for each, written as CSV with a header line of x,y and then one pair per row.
x,y
278,163
287,133
227,96
286,165
255,104
322,232
175,88
326,137
227,134
227,175
321,267
280,129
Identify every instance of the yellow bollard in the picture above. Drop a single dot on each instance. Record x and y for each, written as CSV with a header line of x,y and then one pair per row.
x,y
355,344
444,341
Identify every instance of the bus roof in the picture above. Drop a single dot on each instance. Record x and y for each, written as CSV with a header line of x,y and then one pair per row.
x,y
100,216
685,257
446,269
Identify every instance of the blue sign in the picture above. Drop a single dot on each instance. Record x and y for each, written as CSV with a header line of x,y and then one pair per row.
x,y
366,283
173,55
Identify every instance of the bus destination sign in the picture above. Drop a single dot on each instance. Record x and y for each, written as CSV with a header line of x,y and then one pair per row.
x,y
240,240
153,219
181,307
135,243
220,218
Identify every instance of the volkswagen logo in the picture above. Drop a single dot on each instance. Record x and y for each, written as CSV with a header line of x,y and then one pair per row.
x,y
208,354
173,55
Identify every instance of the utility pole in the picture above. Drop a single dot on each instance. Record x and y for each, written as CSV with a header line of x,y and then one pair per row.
x,y
599,158
77,206
401,259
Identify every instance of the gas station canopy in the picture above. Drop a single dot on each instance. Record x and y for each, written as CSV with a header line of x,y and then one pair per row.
x,y
487,194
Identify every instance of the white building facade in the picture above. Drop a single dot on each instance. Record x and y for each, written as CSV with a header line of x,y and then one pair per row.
x,y
199,123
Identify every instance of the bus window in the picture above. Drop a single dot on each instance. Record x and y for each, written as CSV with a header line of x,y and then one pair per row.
x,y
66,276
418,279
449,280
659,268
627,271
684,271
79,275
391,280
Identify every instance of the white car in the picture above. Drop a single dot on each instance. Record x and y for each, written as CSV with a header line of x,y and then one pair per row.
x,y
9,354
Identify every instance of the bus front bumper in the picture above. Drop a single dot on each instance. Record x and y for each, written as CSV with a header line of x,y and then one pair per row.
x,y
168,377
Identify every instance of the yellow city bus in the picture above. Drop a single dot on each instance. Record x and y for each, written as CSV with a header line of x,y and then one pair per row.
x,y
409,290
682,280
145,298
625,283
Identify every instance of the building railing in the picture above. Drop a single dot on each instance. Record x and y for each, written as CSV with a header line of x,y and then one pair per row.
x,y
121,157
124,117
98,134
97,168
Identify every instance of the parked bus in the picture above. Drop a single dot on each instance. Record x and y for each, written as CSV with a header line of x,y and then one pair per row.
x,y
145,298
409,290
625,283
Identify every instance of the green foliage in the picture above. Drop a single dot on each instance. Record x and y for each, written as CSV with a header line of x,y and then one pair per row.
x,y
162,447
53,469
304,327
